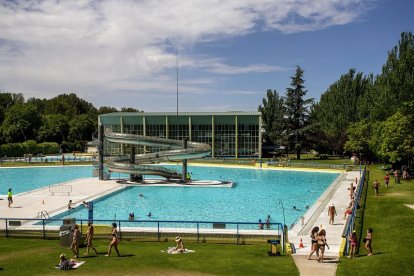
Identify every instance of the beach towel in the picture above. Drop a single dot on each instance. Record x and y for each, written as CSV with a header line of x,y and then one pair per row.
x,y
171,250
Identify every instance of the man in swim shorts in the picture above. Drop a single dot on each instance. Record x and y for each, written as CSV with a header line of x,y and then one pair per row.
x,y
331,213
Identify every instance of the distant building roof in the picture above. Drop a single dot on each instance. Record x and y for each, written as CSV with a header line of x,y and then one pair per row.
x,y
181,113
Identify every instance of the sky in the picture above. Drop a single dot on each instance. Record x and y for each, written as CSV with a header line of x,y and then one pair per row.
x,y
227,53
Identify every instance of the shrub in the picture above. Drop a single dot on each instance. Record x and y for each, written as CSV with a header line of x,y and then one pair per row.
x,y
49,147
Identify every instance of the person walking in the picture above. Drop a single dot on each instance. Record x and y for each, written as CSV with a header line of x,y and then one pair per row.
x,y
322,242
368,241
332,213
75,241
114,240
387,179
376,185
89,238
10,197
314,242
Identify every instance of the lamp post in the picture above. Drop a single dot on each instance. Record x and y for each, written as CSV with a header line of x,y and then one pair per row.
x,y
284,223
283,210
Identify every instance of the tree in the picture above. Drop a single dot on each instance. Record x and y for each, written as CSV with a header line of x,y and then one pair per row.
x,y
81,128
297,112
394,139
395,85
54,128
106,110
359,138
273,117
21,122
339,105
7,100
70,105
129,109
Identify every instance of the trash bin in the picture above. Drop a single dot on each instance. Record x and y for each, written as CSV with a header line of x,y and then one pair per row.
x,y
65,235
66,232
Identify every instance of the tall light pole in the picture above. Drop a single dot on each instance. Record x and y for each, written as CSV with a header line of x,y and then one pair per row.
x,y
177,79
284,223
283,210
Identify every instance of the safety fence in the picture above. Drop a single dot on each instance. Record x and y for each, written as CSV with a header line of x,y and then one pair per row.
x,y
146,230
45,159
350,222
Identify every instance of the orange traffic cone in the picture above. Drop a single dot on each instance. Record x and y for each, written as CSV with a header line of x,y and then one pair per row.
x,y
301,244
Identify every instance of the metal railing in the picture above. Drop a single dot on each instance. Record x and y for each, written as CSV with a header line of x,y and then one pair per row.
x,y
45,159
350,222
149,230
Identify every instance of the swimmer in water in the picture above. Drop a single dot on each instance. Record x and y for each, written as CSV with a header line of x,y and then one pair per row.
x,y
141,195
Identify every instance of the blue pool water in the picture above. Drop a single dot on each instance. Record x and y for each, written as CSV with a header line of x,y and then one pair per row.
x,y
30,178
255,195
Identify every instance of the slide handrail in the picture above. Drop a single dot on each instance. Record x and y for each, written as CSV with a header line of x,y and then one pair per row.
x,y
174,151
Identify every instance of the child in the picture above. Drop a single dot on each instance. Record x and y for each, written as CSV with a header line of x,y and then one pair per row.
x,y
353,240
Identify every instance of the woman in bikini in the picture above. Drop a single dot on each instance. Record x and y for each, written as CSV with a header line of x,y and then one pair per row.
x,y
322,242
314,240
114,241
368,241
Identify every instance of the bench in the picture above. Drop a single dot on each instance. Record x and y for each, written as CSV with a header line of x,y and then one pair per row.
x,y
60,189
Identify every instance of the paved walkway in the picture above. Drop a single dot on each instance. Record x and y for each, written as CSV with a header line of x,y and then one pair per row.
x,y
317,215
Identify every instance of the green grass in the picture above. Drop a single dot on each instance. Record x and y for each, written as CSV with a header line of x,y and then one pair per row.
x,y
393,225
38,257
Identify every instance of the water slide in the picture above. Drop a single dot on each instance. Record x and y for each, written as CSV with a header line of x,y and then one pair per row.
x,y
174,151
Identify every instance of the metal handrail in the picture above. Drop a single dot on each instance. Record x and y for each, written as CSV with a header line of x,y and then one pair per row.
x,y
350,222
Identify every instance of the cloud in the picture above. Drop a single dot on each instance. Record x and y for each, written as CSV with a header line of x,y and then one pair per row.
x,y
96,48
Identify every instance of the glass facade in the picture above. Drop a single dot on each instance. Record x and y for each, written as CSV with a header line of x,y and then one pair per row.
x,y
232,134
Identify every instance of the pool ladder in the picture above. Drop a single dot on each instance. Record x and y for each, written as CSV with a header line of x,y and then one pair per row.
x,y
43,214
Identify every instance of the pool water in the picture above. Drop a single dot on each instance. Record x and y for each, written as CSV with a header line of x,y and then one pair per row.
x,y
255,195
30,178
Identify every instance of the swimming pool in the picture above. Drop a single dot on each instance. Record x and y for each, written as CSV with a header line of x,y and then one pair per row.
x,y
255,195
30,178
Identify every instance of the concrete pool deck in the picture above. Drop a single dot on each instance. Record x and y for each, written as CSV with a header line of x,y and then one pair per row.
x,y
30,204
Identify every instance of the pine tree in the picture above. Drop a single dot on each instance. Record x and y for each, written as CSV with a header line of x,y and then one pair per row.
x,y
297,112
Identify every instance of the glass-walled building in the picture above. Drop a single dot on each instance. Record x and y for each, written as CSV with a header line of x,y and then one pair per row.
x,y
230,134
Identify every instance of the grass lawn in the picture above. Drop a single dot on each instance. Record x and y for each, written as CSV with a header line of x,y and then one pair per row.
x,y
38,257
393,225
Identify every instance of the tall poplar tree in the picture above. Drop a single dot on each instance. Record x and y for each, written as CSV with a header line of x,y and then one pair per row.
x,y
297,112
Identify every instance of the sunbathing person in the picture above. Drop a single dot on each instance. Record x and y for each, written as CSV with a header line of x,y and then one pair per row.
x,y
66,264
179,248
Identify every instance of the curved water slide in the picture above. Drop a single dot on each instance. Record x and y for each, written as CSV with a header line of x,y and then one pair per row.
x,y
174,151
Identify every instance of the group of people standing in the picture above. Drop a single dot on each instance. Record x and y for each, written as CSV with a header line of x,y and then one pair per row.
x,y
353,243
319,241
114,240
